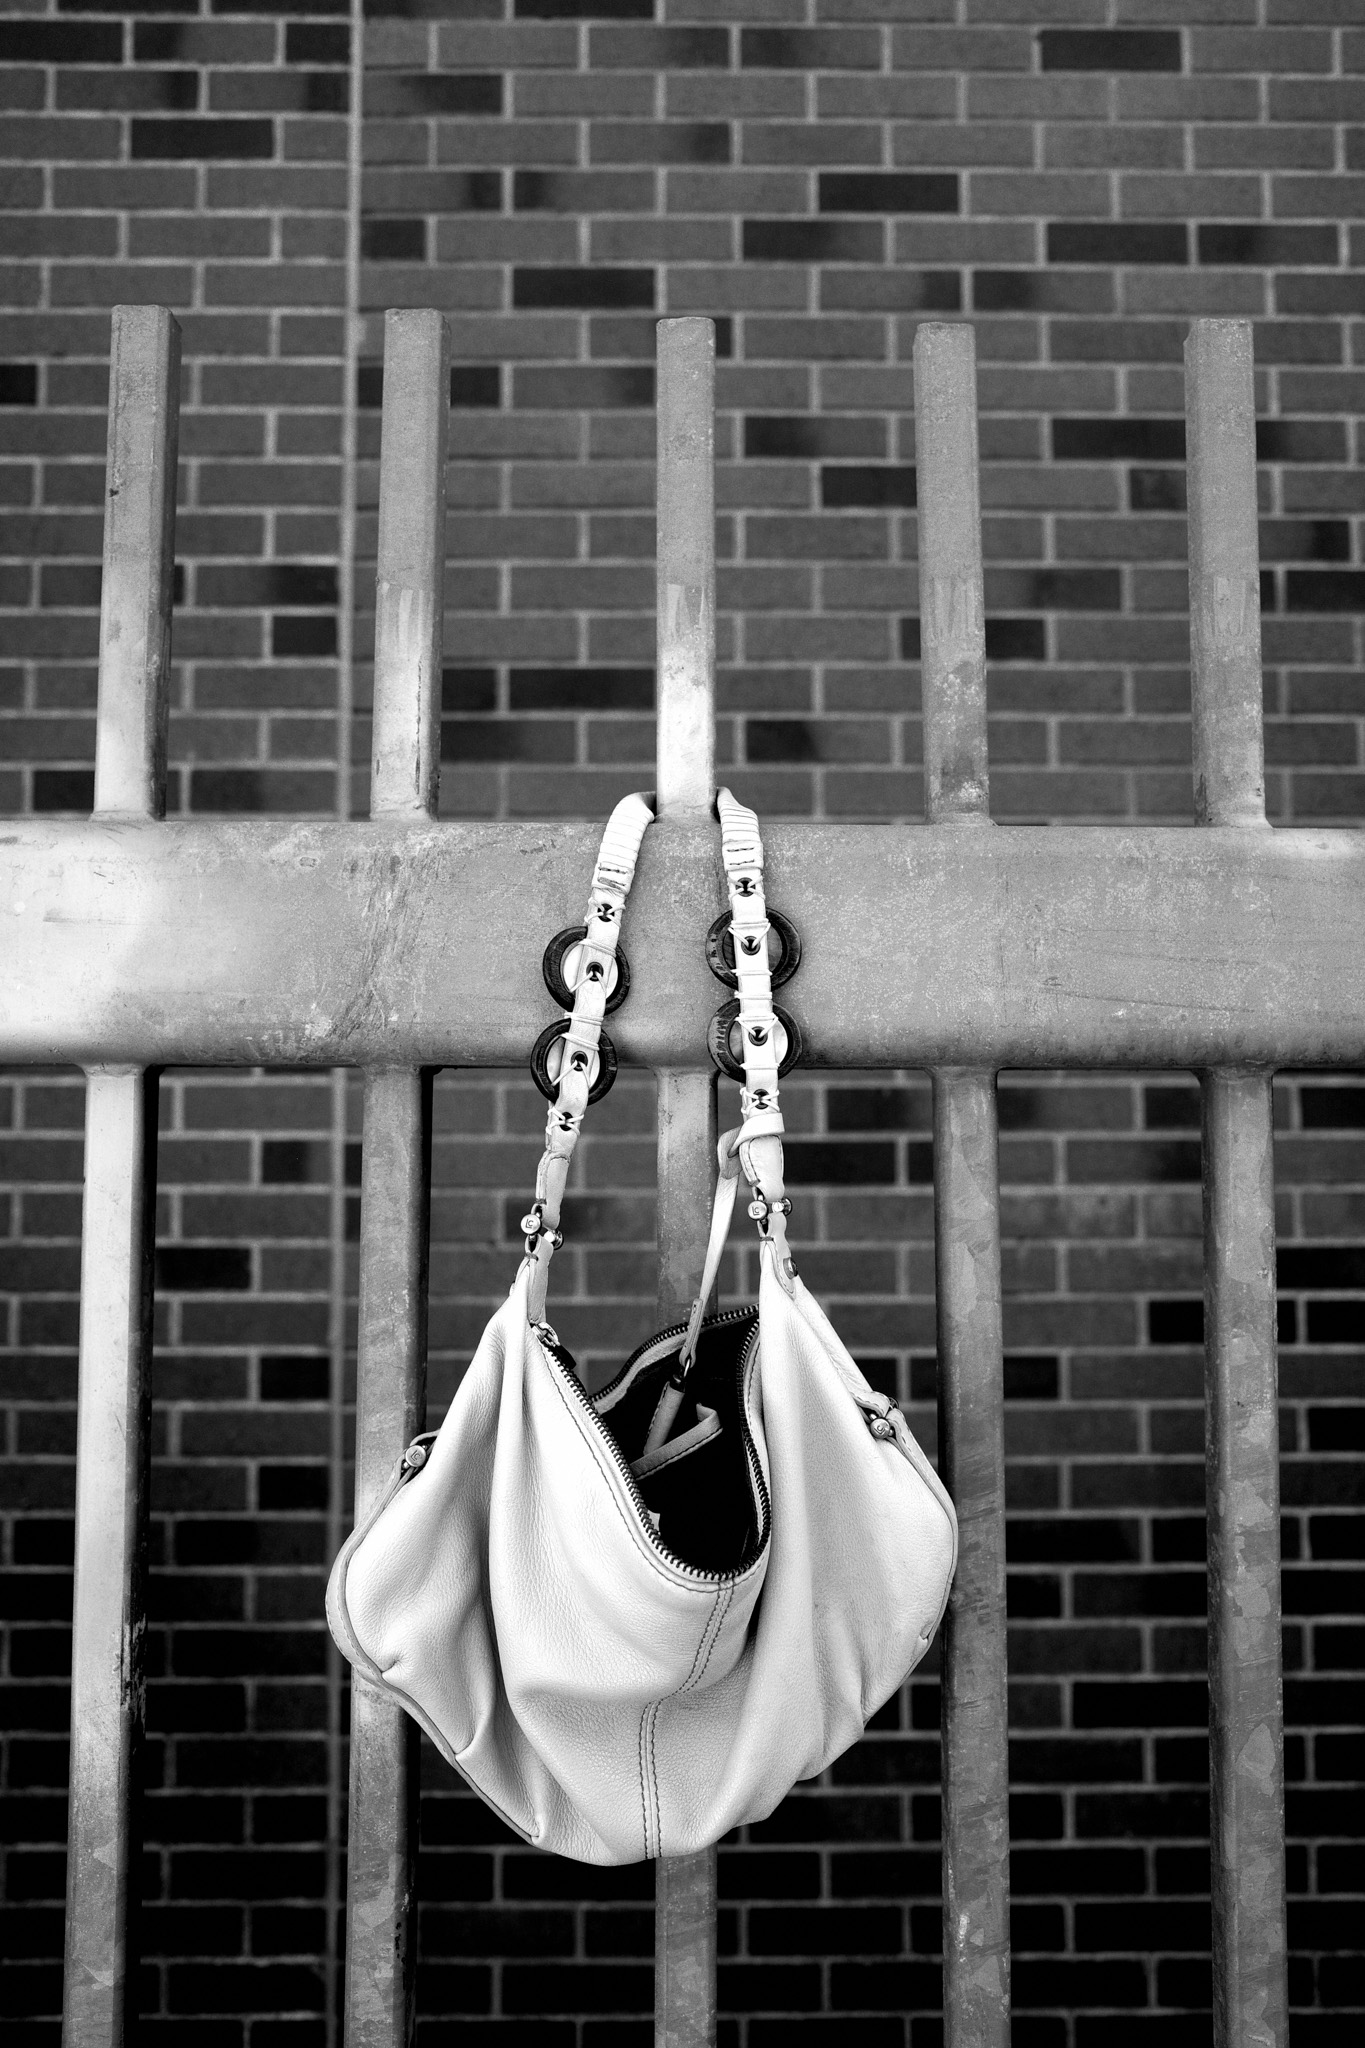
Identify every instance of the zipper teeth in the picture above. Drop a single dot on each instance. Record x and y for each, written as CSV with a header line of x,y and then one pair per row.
x,y
729,1315
582,1396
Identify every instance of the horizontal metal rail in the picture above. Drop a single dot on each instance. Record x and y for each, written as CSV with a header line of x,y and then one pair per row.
x,y
403,944
396,944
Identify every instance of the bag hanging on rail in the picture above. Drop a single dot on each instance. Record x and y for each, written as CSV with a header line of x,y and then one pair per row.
x,y
633,1620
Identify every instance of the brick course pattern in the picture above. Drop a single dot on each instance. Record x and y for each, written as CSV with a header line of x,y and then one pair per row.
x,y
1078,179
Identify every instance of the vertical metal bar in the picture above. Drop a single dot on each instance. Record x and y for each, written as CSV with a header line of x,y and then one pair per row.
x,y
685,574
339,1089
109,1621
1246,1715
139,563
685,1886
396,1172
976,1956
1225,593
951,598
976,1951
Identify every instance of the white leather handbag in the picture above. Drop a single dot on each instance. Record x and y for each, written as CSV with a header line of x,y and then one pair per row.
x,y
633,1620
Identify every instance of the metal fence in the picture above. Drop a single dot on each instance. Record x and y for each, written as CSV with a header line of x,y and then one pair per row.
x,y
398,945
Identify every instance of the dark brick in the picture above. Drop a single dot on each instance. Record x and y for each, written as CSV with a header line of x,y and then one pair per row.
x,y
1253,243
18,382
1300,441
840,1162
1332,1109
1015,640
812,241
582,288
1175,1322
1114,439
208,141
265,585
844,485
208,1268
888,192
393,241
593,387
308,42
64,789
1103,241
1325,590
660,49
61,42
1081,49
585,689
433,93
581,10
293,635
475,385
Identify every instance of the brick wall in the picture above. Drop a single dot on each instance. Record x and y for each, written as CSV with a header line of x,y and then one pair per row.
x,y
1076,179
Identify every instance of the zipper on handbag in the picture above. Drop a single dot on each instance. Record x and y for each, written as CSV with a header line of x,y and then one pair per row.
x,y
555,1353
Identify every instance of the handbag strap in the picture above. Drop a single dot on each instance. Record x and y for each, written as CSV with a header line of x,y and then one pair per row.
x,y
611,880
755,1148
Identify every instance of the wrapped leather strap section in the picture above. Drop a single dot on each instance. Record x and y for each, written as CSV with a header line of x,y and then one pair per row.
x,y
611,880
759,1138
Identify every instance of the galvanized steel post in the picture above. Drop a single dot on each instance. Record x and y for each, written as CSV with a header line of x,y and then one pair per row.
x,y
685,1886
381,1945
1246,1712
976,1954
114,1398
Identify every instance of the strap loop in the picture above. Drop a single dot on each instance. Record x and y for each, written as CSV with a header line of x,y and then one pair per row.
x,y
586,1045
755,1149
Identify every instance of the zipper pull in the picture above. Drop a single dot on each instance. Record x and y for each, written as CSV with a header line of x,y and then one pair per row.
x,y
417,1452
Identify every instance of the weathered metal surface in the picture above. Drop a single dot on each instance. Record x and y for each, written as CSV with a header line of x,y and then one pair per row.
x,y
685,571
390,1409
395,1197
411,565
685,1951
1245,1689
1225,605
685,1886
951,593
377,944
114,1398
139,561
686,1178
976,1954
1246,1726
108,1699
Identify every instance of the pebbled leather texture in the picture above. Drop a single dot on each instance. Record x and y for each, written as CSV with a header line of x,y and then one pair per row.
x,y
611,1704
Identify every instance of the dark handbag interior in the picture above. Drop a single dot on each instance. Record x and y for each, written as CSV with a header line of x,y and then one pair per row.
x,y
703,1487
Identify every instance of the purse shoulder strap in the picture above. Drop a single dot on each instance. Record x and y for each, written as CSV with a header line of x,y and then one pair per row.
x,y
611,880
755,1148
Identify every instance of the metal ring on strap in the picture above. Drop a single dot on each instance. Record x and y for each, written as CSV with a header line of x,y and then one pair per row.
x,y
720,949
600,1066
724,1029
557,981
